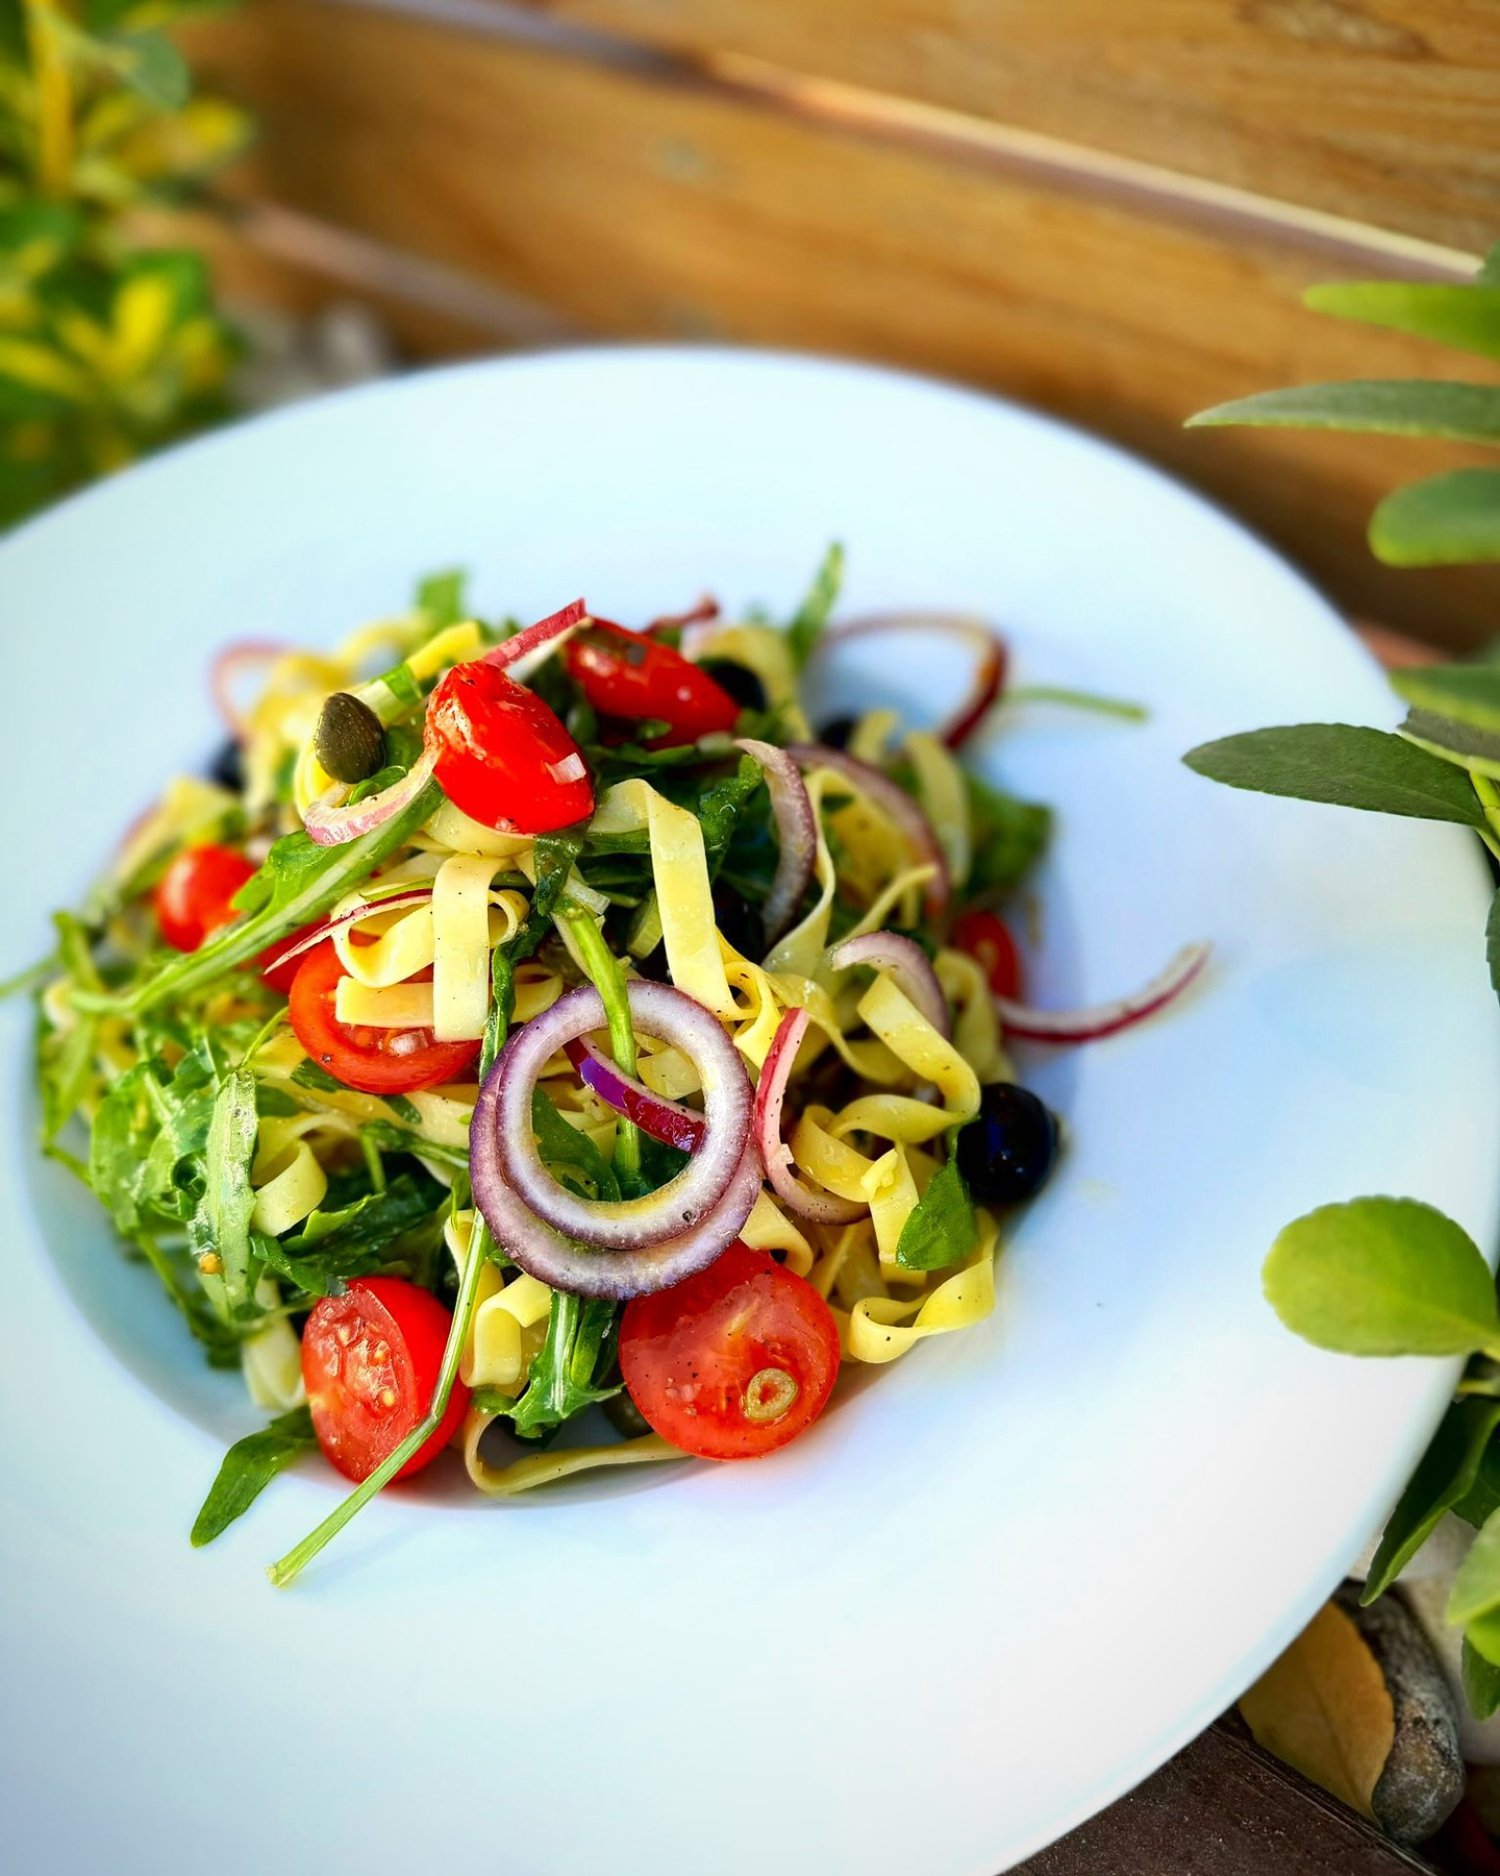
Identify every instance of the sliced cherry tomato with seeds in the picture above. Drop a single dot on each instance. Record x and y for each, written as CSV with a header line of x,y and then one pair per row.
x,y
987,939
733,1362
370,1362
504,758
194,897
375,1061
624,674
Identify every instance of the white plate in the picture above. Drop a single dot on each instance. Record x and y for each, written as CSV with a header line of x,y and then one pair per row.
x,y
998,1586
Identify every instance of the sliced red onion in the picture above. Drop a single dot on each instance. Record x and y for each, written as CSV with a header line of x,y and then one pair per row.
x,y
988,647
796,834
1104,1019
330,824
824,1208
896,803
667,1121
572,768
398,902
227,666
684,1202
521,655
907,962
706,610
553,1259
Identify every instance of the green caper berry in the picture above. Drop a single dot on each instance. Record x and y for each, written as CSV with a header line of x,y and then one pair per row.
x,y
349,741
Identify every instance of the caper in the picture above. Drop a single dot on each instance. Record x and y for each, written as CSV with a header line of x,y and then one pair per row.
x,y
349,741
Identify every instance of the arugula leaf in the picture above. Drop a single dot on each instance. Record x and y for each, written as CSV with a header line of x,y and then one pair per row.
x,y
441,597
1445,1475
1383,1276
1009,836
1443,521
351,1240
1481,1680
1464,693
311,1074
220,1225
942,1228
1468,413
562,1380
569,1154
248,1468
386,1137
297,884
1344,764
811,617
1465,316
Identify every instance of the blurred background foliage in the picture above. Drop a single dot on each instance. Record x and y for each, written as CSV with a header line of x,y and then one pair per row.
x,y
108,347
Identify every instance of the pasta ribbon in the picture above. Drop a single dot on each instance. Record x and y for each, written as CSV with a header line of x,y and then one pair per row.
x,y
500,1347
521,1475
944,795
976,1024
397,1006
890,1014
271,1359
449,828
462,934
879,1329
800,951
679,870
403,945
769,1229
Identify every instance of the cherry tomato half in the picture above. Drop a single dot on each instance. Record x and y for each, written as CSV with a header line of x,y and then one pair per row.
x,y
193,897
370,1361
280,977
986,937
503,756
624,674
733,1362
376,1061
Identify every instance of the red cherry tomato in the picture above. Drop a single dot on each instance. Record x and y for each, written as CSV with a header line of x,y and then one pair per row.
x,y
370,1361
624,674
194,894
280,977
733,1362
986,937
376,1061
503,756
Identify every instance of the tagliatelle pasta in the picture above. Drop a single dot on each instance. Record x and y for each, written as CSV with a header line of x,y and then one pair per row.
x,y
546,1044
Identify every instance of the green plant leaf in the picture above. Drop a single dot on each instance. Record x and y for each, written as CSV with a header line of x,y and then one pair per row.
x,y
1466,316
942,1229
1464,693
1478,751
249,1467
1481,1680
1482,1499
1445,1475
1468,413
221,1223
1476,1587
152,67
1341,763
1446,521
1383,1276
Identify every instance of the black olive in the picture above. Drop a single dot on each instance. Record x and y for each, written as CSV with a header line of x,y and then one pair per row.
x,y
228,767
836,732
742,684
624,1416
349,740
1007,1153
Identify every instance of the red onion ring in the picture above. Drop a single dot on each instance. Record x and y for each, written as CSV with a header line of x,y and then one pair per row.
x,y
1104,1019
907,962
796,834
684,1202
824,1208
398,902
989,671
522,654
553,1259
227,667
706,609
895,802
330,825
667,1121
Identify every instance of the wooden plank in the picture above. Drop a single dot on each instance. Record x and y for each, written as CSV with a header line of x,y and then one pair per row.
x,y
1381,110
637,203
1223,1807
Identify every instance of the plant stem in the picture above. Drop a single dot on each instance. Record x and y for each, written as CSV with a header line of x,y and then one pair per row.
x,y
603,967
295,1561
1076,700
1489,800
54,98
